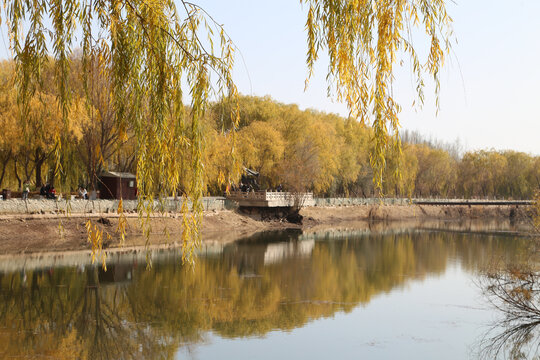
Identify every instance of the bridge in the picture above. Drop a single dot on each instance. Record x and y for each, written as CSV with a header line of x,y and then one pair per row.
x,y
472,202
271,199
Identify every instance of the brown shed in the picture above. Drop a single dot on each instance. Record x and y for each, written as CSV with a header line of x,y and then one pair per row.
x,y
116,185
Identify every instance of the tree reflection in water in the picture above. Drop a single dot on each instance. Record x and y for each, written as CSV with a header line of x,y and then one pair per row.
x,y
250,289
515,292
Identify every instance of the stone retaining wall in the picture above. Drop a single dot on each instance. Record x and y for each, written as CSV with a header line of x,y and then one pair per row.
x,y
77,206
44,206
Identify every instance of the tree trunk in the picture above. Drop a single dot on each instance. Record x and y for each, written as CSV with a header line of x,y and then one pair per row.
x,y
53,176
94,176
17,173
27,170
4,167
39,165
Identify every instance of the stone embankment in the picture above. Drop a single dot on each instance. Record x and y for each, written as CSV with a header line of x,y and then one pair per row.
x,y
78,206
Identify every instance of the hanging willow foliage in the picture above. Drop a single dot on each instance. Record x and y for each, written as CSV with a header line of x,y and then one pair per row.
x,y
156,56
364,39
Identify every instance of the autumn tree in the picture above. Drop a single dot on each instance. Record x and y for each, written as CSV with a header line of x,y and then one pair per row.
x,y
400,178
300,167
10,141
261,148
480,173
354,156
29,141
516,182
99,138
216,159
436,172
45,123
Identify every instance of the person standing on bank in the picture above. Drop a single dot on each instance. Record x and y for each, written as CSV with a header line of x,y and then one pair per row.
x,y
26,190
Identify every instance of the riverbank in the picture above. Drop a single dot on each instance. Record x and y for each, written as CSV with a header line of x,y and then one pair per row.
x,y
35,233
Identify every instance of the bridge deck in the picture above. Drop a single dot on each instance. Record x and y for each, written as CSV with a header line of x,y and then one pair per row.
x,y
474,202
270,199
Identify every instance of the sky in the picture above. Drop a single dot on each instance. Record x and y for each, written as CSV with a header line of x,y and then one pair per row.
x,y
489,85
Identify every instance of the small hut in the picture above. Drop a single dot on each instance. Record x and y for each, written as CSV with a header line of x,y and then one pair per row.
x,y
116,185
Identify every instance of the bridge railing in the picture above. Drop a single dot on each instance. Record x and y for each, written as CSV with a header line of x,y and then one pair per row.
x,y
247,195
267,195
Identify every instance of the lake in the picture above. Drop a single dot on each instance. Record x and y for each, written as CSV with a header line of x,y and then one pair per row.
x,y
348,294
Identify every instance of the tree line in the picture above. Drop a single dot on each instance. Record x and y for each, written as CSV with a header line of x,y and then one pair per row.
x,y
299,149
329,155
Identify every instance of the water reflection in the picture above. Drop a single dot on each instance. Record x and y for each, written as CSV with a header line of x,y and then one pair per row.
x,y
515,291
271,282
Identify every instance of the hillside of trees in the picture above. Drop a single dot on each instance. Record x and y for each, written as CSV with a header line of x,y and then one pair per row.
x,y
302,150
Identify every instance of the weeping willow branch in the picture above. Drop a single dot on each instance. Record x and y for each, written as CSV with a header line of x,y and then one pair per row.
x,y
364,39
155,60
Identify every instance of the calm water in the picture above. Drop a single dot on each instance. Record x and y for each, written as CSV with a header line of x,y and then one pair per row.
x,y
344,295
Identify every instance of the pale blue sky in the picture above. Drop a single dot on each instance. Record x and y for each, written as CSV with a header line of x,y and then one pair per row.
x,y
489,88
